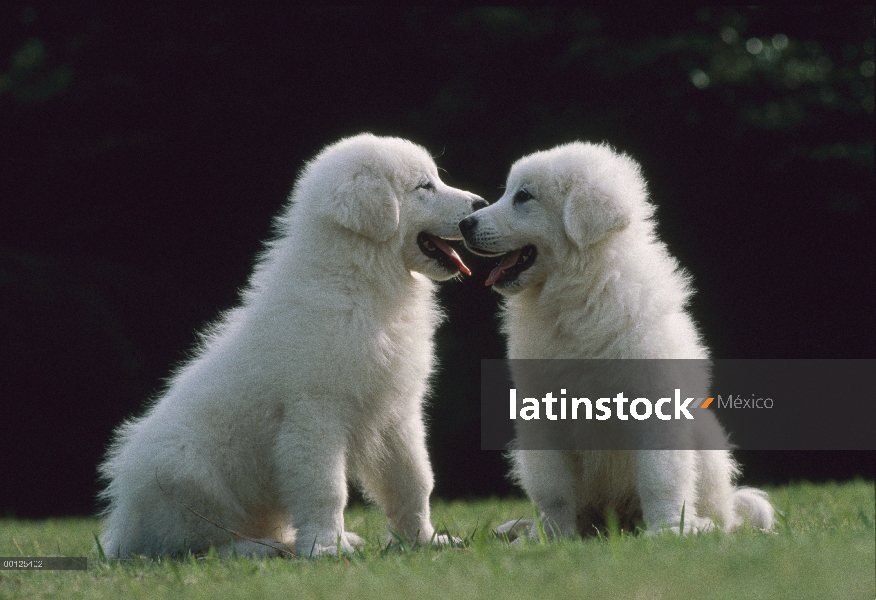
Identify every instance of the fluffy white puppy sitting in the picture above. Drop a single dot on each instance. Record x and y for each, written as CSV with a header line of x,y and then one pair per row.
x,y
586,278
318,375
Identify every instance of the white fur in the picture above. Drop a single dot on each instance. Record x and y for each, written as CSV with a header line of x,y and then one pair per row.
x,y
603,286
319,375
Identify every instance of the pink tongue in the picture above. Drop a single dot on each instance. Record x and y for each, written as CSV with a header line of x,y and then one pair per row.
x,y
449,252
508,261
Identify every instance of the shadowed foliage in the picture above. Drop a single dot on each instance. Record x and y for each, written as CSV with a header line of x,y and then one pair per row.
x,y
146,149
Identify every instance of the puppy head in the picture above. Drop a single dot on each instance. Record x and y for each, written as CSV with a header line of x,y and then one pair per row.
x,y
556,201
386,191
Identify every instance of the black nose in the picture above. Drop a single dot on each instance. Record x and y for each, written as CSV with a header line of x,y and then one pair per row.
x,y
478,203
468,223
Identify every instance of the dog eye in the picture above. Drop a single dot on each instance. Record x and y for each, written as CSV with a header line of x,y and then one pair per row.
x,y
428,185
522,196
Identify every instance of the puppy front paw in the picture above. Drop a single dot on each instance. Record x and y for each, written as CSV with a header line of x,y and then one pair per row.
x,y
692,526
446,540
349,542
514,530
352,540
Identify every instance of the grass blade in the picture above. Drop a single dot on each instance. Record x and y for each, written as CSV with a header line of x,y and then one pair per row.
x,y
100,553
681,520
542,536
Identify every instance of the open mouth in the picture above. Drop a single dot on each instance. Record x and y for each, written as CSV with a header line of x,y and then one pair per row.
x,y
512,265
440,251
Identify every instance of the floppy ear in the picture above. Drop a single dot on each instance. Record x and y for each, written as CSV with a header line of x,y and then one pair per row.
x,y
367,205
590,215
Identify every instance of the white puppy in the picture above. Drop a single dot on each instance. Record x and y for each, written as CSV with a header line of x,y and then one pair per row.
x,y
586,278
319,375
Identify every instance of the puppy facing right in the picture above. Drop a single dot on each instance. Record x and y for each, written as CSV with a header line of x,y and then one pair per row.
x,y
317,379
585,277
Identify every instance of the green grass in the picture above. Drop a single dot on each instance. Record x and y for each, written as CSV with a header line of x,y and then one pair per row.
x,y
824,548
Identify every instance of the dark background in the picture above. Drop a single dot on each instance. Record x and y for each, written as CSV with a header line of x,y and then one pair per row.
x,y
144,152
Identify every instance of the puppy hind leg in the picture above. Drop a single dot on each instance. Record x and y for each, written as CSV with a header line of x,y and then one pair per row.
x,y
719,498
753,504
154,525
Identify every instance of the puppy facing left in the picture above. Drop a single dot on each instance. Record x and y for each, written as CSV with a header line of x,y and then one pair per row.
x,y
318,375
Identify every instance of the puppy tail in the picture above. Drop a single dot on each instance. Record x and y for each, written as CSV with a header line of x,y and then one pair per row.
x,y
752,504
